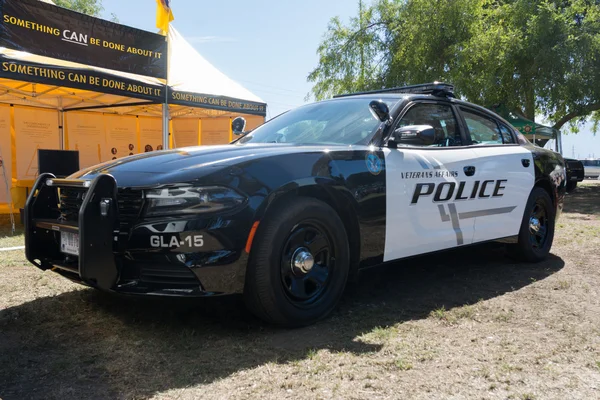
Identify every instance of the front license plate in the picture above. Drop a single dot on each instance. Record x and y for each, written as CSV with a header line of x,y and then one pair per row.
x,y
69,243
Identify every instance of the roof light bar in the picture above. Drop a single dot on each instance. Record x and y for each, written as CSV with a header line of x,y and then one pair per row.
x,y
439,89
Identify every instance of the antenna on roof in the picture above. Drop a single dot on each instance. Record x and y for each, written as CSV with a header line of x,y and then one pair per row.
x,y
438,89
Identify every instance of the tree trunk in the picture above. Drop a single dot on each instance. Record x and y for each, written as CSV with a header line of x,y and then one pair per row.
x,y
529,103
362,47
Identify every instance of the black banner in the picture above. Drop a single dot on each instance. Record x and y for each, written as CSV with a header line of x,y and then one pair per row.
x,y
86,79
46,30
79,79
216,102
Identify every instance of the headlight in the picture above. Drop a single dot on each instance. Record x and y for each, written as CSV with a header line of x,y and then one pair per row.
x,y
191,200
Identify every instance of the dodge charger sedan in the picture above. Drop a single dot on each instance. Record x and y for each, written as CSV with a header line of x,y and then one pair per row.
x,y
289,212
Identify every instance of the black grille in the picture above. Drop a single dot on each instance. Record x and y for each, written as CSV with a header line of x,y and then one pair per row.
x,y
130,205
71,200
168,275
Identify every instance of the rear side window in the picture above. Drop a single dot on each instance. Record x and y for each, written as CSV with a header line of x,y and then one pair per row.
x,y
522,139
507,137
483,130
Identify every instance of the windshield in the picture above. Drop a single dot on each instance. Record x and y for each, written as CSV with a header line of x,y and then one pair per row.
x,y
342,121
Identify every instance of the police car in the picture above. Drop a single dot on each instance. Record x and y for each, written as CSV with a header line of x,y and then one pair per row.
x,y
289,212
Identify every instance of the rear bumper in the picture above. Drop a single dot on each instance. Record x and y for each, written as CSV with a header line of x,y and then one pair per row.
x,y
575,170
155,257
576,176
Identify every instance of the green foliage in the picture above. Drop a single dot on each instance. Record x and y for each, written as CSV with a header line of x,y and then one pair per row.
x,y
534,56
89,7
350,58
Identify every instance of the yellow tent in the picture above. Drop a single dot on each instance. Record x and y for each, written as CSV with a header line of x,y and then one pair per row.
x,y
48,103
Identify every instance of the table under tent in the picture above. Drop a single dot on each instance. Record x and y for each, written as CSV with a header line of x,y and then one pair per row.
x,y
53,104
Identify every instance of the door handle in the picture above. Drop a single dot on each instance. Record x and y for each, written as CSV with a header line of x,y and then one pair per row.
x,y
469,170
525,162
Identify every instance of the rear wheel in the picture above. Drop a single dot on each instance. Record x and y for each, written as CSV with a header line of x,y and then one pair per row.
x,y
298,265
537,228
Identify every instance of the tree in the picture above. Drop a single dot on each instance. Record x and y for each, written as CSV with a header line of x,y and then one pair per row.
x,y
533,56
89,7
351,57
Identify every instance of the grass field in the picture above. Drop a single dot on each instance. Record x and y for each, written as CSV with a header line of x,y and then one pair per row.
x,y
468,324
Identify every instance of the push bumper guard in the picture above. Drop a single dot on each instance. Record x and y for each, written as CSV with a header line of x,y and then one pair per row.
x,y
94,228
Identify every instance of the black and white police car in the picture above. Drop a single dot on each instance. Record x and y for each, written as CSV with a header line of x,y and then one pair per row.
x,y
289,211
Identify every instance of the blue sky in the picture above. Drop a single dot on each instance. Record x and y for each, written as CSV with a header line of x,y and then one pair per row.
x,y
269,46
582,145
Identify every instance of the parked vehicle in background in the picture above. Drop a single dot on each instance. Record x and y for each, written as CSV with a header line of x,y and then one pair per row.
x,y
592,168
575,173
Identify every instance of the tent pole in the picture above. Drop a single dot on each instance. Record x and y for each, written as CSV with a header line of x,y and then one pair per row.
x,y
165,127
166,103
61,121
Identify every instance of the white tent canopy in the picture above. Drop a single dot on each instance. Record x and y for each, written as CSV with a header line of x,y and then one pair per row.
x,y
190,72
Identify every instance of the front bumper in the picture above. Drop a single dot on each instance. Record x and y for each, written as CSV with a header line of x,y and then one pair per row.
x,y
120,251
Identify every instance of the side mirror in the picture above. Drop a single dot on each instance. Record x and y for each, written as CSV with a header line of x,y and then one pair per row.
x,y
419,135
238,125
380,110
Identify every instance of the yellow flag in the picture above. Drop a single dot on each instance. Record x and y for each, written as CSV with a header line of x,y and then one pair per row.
x,y
164,15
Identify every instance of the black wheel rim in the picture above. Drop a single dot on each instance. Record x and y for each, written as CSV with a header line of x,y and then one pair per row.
x,y
307,262
538,225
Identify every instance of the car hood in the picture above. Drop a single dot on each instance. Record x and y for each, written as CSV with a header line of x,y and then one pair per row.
x,y
189,163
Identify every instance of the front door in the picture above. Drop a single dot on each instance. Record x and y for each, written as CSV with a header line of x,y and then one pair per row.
x,y
427,191
428,188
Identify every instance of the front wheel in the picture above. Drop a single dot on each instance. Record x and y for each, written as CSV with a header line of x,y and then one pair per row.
x,y
299,263
537,228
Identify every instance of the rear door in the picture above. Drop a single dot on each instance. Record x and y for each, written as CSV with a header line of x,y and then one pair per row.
x,y
427,187
504,172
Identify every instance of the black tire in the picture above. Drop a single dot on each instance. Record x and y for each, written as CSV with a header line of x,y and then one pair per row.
x,y
535,239
279,292
572,185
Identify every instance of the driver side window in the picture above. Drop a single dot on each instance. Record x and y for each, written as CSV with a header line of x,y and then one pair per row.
x,y
440,117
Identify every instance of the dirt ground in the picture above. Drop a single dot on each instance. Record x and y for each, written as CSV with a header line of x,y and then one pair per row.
x,y
468,324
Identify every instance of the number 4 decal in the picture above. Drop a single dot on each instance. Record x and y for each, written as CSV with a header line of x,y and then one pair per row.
x,y
455,217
